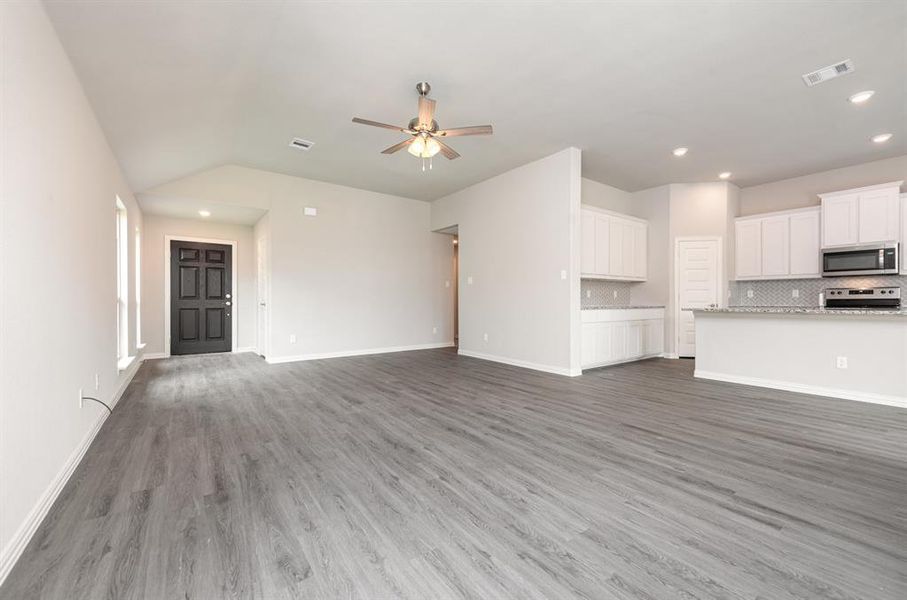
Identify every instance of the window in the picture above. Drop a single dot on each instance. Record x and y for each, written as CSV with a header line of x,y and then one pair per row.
x,y
122,282
138,287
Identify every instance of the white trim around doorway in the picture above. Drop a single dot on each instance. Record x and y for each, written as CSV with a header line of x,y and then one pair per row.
x,y
234,260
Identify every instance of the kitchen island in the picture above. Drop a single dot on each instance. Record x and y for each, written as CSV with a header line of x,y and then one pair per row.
x,y
858,354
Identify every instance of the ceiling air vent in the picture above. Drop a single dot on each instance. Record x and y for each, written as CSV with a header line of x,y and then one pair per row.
x,y
301,144
830,72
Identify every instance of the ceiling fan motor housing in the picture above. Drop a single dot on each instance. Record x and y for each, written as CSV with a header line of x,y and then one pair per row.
x,y
414,125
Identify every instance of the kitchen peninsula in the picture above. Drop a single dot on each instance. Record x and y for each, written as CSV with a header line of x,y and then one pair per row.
x,y
858,354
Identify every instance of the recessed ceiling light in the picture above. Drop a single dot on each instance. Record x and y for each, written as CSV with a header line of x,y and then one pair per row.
x,y
680,151
204,213
861,97
881,138
725,175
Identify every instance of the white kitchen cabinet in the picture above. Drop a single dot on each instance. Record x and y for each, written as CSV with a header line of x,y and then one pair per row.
x,y
781,245
775,246
805,252
587,242
879,213
861,216
617,248
839,220
612,336
748,248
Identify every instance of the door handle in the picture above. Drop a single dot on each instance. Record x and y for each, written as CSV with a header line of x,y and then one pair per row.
x,y
262,304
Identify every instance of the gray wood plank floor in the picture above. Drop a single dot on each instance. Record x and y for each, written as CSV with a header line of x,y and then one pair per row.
x,y
426,475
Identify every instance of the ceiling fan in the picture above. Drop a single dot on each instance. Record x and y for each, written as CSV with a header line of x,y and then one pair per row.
x,y
424,133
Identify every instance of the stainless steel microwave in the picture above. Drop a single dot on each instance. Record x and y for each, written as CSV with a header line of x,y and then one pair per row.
x,y
873,259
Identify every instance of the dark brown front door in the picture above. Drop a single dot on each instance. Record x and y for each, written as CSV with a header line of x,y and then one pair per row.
x,y
201,297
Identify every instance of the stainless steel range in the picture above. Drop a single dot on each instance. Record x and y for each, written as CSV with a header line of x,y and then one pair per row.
x,y
864,298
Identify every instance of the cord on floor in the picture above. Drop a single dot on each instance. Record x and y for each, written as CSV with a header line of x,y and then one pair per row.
x,y
99,402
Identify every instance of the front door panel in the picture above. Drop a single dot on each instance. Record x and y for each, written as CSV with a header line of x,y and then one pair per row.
x,y
201,299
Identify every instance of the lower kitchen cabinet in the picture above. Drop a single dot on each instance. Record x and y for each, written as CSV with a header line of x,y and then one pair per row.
x,y
611,336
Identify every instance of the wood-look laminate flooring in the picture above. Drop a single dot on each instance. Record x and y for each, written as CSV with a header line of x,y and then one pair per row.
x,y
425,475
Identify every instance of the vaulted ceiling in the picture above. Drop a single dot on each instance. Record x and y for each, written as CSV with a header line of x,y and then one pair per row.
x,y
184,86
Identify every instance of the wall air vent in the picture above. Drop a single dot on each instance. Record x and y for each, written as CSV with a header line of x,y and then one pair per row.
x,y
301,144
830,72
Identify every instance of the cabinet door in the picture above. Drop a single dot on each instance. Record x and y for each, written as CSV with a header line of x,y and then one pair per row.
x,y
640,250
775,246
602,350
616,245
602,245
618,341
628,250
587,241
748,248
805,255
839,220
878,216
635,331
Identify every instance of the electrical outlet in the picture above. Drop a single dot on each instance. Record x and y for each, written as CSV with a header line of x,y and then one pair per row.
x,y
434,330
749,293
447,284
469,280
842,362
615,294
588,293
485,337
795,293
292,338
563,274
97,382
80,398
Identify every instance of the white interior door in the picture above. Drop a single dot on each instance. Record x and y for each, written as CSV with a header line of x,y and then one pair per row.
x,y
697,287
263,296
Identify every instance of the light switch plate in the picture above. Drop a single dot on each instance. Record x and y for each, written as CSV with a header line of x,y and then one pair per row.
x,y
485,337
310,211
446,284
434,330
563,274
588,293
292,338
795,293
469,280
749,293
841,362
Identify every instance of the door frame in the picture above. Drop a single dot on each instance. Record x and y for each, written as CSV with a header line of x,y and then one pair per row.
x,y
722,282
233,260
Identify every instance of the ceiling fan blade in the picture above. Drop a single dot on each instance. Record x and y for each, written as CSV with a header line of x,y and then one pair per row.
x,y
377,124
459,131
447,151
426,111
397,147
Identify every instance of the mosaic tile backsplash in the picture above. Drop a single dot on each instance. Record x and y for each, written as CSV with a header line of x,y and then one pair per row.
x,y
601,292
779,292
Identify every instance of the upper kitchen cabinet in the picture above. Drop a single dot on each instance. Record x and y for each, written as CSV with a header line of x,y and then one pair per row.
x,y
783,245
861,216
614,246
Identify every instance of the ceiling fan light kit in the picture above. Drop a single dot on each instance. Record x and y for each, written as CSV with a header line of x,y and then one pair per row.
x,y
424,131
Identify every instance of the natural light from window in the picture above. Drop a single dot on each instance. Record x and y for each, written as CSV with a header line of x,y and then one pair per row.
x,y
122,281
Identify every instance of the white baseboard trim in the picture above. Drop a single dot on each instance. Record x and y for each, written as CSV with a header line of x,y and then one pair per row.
x,y
671,355
624,361
276,360
156,355
245,349
23,535
805,388
522,363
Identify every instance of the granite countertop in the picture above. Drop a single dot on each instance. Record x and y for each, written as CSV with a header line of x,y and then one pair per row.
x,y
805,310
610,307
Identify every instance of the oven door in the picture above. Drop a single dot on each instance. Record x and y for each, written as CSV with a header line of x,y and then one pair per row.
x,y
869,260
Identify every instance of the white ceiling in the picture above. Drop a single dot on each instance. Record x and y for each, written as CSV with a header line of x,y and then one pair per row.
x,y
184,86
187,208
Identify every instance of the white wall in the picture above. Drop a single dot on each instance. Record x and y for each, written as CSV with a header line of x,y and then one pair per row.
x,y
58,261
359,276
517,232
153,269
802,191
362,275
655,207
609,197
